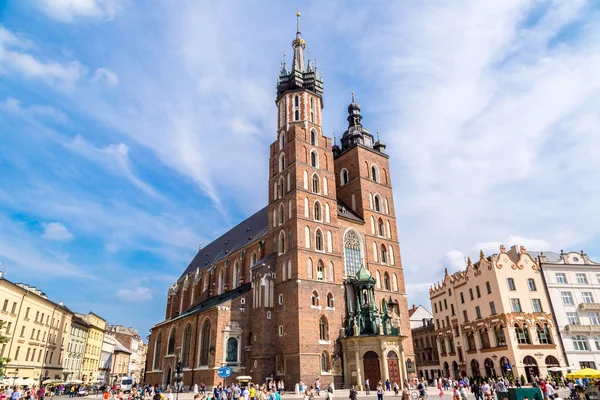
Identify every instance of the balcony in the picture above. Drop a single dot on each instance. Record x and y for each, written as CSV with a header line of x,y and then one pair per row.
x,y
583,328
589,306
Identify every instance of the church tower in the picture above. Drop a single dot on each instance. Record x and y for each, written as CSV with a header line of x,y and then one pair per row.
x,y
303,226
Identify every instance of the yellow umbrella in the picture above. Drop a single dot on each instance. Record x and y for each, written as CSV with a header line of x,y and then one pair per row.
x,y
585,373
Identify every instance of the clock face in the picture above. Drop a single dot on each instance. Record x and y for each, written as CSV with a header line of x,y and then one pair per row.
x,y
576,259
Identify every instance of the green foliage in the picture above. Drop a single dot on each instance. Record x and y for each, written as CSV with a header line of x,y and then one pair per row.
x,y
522,379
3,340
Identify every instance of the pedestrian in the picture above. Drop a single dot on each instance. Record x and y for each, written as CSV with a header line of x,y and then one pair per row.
x,y
367,387
388,385
318,387
353,393
379,391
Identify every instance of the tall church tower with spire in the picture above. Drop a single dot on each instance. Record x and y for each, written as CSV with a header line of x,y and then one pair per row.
x,y
311,286
303,225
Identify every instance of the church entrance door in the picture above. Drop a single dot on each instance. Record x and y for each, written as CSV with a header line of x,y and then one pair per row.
x,y
371,367
393,367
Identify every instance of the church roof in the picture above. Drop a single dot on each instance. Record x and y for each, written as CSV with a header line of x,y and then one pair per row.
x,y
210,303
238,237
346,212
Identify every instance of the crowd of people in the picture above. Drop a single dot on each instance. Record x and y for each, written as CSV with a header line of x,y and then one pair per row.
x,y
459,389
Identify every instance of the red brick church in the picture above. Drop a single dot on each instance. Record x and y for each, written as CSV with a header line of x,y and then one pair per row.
x,y
311,286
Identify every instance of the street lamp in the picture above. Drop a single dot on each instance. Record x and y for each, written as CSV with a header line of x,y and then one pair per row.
x,y
16,373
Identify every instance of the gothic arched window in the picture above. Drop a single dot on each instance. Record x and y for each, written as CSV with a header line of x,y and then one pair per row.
x,y
157,350
319,240
384,256
352,252
204,343
281,161
345,177
380,227
329,300
312,110
317,211
325,365
377,203
320,270
315,183
314,159
235,273
386,281
281,213
296,101
313,134
323,329
314,299
281,242
187,346
171,342
374,173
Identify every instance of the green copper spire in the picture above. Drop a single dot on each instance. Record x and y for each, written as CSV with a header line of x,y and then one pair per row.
x,y
363,274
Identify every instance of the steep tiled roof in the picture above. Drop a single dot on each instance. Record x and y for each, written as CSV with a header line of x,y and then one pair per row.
x,y
346,212
244,233
550,255
210,303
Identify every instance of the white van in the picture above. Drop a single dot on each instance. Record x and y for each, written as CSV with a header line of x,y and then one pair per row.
x,y
126,383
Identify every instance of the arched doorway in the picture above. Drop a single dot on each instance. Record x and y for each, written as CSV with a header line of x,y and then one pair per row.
x,y
455,370
552,362
169,377
505,368
490,372
475,369
371,367
394,367
446,370
531,368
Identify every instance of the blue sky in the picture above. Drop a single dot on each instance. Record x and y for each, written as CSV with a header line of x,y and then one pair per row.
x,y
131,132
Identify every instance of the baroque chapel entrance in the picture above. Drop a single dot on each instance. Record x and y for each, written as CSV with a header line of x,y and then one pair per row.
x,y
393,367
371,367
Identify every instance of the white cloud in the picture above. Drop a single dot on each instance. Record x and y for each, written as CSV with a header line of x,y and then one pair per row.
x,y
140,293
70,10
14,106
113,156
14,58
105,76
512,240
56,231
454,260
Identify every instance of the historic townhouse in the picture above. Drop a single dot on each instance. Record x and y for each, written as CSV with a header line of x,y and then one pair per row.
x,y
312,284
424,343
38,329
93,346
573,284
75,348
494,318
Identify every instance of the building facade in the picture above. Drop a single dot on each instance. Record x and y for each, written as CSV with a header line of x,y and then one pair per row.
x,y
105,365
573,285
93,346
121,360
424,339
129,338
494,319
276,296
75,348
38,329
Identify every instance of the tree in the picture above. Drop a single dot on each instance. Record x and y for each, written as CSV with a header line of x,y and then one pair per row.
x,y
3,340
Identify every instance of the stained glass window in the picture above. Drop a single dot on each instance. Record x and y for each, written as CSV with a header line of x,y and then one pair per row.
x,y
352,253
232,350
